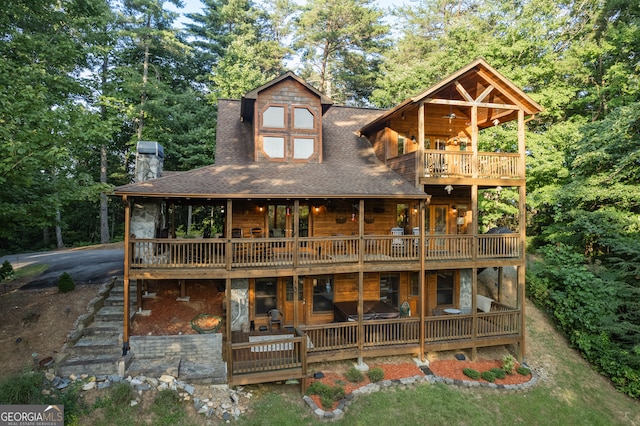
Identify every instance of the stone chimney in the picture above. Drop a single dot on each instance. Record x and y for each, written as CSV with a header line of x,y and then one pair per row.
x,y
149,161
147,220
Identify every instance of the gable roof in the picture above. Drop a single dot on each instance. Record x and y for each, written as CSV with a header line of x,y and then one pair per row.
x,y
349,168
468,77
248,100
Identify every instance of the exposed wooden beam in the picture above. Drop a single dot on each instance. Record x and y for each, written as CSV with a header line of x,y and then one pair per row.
x,y
485,93
460,89
454,102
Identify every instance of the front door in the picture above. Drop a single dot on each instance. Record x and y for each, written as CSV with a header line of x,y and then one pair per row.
x,y
437,225
291,300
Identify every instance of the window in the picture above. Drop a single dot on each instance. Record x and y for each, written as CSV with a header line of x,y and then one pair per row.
x,y
444,292
323,293
401,142
273,146
303,119
414,285
389,285
273,117
289,287
266,295
302,148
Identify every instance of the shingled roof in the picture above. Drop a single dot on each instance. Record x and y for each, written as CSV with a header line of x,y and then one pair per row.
x,y
349,168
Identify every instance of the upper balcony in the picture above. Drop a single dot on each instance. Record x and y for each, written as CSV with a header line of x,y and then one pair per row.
x,y
219,254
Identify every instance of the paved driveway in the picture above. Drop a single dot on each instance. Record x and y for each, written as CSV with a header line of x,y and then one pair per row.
x,y
86,266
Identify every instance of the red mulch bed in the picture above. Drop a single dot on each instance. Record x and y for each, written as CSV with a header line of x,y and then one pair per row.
x,y
443,368
453,369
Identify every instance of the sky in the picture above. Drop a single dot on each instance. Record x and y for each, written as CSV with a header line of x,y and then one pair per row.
x,y
195,6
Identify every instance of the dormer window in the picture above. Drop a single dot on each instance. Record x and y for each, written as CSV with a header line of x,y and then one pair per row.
x,y
303,119
289,132
274,117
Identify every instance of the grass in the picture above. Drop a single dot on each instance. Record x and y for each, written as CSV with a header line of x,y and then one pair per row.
x,y
28,271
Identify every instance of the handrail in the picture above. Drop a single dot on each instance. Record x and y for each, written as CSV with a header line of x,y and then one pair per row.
x,y
281,252
501,165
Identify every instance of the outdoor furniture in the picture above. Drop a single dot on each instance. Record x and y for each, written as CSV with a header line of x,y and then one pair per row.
x,y
372,309
397,244
275,317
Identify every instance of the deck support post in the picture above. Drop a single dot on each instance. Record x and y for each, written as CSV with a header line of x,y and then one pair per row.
x,y
127,257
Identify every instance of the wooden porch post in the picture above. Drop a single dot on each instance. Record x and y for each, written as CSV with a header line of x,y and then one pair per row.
x,y
421,242
127,255
522,271
361,234
227,226
296,314
296,232
474,270
360,312
474,142
420,153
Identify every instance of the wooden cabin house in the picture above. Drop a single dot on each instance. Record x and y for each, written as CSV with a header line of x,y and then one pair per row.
x,y
360,226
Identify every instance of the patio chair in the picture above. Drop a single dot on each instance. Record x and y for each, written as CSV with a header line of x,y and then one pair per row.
x,y
397,244
275,317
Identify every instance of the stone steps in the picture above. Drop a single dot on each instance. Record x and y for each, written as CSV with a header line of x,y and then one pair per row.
x,y
98,350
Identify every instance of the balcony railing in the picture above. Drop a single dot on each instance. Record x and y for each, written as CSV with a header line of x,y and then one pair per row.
x,y
285,252
492,165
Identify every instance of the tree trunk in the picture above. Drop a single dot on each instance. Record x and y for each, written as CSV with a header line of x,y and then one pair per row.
x,y
104,202
60,243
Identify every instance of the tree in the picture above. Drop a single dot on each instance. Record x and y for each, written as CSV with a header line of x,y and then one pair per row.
x,y
43,52
340,43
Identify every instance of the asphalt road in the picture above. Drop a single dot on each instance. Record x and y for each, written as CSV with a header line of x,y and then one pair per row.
x,y
86,266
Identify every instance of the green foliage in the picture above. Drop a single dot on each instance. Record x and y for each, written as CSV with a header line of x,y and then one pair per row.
x,y
509,364
21,389
65,283
168,408
523,371
489,376
122,393
499,373
6,270
328,394
471,373
354,375
588,309
376,374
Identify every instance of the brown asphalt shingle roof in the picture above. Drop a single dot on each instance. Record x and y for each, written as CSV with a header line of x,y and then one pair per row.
x,y
349,168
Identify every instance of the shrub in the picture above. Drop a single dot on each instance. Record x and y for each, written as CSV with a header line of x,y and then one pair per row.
x,y
523,371
471,373
328,394
6,270
489,376
122,393
354,375
376,374
22,389
509,364
65,283
499,373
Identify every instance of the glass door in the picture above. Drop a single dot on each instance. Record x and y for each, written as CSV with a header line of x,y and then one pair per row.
x,y
291,299
436,221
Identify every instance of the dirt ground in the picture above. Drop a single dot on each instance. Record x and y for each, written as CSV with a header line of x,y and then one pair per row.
x,y
35,324
169,316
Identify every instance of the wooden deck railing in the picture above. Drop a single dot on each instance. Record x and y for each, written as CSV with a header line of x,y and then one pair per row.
x,y
331,337
286,357
283,252
500,323
440,163
271,355
404,331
